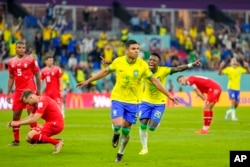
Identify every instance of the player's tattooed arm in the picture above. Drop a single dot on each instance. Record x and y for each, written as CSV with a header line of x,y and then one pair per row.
x,y
186,66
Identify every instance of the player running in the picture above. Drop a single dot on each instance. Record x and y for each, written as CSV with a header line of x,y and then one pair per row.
x,y
233,72
126,94
48,110
203,85
22,69
153,101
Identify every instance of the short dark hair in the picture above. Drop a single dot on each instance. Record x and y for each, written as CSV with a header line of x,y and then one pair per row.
x,y
48,57
20,42
130,42
180,76
26,94
157,55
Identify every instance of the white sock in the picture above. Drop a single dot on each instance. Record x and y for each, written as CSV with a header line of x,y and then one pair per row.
x,y
124,141
206,127
144,138
229,111
233,114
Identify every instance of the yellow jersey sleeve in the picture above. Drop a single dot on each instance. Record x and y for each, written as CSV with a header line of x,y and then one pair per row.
x,y
151,94
242,70
226,70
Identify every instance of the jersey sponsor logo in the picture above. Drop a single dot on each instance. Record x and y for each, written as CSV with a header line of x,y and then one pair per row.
x,y
25,65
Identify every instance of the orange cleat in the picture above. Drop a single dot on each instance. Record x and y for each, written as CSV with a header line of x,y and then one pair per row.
x,y
202,131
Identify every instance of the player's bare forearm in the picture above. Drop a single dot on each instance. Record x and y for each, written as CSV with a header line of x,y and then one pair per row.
x,y
222,66
159,86
10,84
30,119
186,66
198,92
101,74
246,66
38,82
179,68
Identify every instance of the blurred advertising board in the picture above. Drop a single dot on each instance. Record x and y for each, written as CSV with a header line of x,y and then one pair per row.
x,y
102,100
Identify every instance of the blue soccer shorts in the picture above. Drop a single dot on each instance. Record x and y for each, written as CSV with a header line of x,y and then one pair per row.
x,y
126,110
234,94
151,111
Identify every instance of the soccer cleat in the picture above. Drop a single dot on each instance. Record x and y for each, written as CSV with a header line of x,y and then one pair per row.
x,y
58,146
202,131
234,119
115,140
14,143
118,157
143,151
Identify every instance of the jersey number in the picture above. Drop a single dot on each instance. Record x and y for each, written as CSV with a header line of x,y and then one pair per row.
x,y
48,79
19,72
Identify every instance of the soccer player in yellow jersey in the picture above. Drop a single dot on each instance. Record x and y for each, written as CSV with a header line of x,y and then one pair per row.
x,y
126,94
233,72
153,101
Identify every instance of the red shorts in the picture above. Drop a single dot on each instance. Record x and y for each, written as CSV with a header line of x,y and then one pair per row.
x,y
50,128
213,95
55,97
17,104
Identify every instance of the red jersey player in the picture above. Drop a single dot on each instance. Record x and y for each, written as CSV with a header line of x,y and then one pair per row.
x,y
47,109
204,85
22,69
52,74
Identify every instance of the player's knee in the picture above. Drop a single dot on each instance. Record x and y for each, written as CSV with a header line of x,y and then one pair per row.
x,y
143,126
116,128
126,131
152,128
28,139
31,134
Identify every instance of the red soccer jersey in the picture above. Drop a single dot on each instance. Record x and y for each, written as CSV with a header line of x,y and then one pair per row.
x,y
23,70
49,109
52,78
202,83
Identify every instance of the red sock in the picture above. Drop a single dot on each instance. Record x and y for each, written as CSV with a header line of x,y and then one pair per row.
x,y
16,130
33,125
40,138
207,117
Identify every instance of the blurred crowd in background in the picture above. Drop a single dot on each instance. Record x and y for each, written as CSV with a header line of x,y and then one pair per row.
x,y
79,51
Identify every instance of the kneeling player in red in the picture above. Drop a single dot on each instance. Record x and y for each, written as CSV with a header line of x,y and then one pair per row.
x,y
47,109
204,85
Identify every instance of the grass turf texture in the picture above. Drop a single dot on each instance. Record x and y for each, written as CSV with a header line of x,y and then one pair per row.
x,y
87,137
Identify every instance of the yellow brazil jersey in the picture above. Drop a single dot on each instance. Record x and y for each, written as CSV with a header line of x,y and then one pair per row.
x,y
151,94
65,80
46,34
128,86
234,76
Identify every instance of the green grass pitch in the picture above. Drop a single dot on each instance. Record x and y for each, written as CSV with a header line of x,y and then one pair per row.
x,y
87,136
